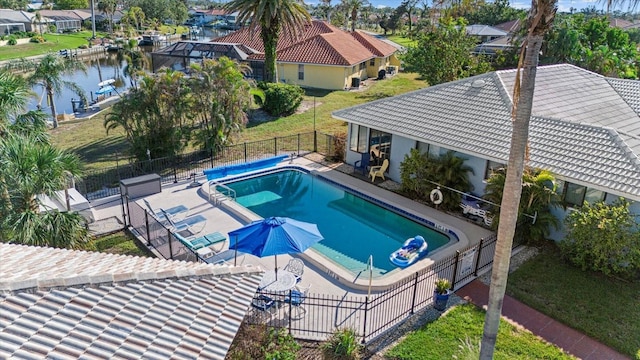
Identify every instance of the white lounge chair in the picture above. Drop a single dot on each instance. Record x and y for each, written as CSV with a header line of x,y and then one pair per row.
x,y
187,224
176,213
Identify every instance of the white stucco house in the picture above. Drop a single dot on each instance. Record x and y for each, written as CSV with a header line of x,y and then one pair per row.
x,y
585,128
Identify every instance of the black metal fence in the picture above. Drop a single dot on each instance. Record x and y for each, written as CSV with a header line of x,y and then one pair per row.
x,y
370,317
101,183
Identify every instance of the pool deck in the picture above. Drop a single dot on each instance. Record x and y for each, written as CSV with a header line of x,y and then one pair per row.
x,y
319,272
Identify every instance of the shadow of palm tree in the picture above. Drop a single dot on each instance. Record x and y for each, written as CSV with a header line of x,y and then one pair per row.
x,y
102,150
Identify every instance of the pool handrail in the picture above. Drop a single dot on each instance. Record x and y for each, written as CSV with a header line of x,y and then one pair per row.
x,y
227,192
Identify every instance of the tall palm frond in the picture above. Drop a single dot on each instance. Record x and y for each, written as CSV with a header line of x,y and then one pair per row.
x,y
271,17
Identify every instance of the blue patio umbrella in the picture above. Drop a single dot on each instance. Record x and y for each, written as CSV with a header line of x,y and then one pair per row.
x,y
275,236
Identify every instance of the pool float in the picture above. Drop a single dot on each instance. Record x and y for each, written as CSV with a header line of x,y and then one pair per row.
x,y
412,250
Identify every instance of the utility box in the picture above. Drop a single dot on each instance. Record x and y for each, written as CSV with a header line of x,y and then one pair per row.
x,y
141,186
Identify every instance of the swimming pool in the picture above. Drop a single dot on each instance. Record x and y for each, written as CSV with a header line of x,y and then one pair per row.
x,y
353,227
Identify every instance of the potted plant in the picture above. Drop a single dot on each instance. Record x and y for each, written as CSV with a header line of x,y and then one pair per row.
x,y
441,294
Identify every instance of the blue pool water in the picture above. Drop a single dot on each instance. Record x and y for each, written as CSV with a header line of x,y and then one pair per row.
x,y
353,228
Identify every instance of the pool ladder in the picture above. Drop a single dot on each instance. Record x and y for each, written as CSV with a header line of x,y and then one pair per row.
x,y
219,192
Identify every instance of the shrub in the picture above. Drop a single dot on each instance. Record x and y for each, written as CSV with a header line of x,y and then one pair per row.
x,y
83,46
603,237
337,151
281,99
37,39
261,342
420,172
12,40
343,345
414,169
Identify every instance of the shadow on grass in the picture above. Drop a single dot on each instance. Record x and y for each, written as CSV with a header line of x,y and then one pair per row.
x,y
102,150
319,93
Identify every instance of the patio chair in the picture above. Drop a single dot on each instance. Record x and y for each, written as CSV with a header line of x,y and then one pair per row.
x,y
187,224
363,163
296,298
378,171
265,305
176,213
296,267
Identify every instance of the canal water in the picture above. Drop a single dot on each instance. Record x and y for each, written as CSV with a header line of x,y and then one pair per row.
x,y
98,69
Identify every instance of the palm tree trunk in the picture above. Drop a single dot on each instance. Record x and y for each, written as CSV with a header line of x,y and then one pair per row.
x,y
270,39
53,107
511,197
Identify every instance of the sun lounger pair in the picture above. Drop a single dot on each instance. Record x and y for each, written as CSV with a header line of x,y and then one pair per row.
x,y
196,243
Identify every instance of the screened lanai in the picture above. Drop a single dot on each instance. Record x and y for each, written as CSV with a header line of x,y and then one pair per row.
x,y
178,56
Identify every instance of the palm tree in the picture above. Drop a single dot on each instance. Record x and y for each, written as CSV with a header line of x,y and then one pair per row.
x,y
30,166
271,17
48,75
135,59
352,7
540,21
14,96
451,171
538,199
108,7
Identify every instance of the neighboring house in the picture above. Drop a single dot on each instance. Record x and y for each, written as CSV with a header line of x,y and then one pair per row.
x,y
66,304
585,128
202,17
485,33
12,21
492,47
510,27
322,56
620,23
66,20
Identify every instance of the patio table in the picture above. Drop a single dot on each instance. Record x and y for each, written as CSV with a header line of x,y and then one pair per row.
x,y
286,281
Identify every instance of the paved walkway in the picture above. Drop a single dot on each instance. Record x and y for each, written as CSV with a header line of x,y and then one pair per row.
x,y
568,339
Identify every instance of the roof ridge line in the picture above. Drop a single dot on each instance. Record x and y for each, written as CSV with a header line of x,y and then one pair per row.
x,y
208,272
623,144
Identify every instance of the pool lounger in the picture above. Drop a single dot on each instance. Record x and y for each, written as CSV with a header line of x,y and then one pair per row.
x,y
203,241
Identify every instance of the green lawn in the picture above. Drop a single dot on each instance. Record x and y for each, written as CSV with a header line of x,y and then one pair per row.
x,y
458,333
121,243
401,40
89,140
606,309
54,43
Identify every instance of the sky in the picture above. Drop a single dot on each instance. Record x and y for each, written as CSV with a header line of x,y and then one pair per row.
x,y
563,5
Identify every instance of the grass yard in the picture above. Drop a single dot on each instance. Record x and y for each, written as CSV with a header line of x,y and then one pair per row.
x,y
121,243
54,43
605,309
88,138
401,40
457,334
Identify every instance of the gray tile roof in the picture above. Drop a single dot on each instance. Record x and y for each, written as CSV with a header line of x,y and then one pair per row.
x,y
570,133
73,304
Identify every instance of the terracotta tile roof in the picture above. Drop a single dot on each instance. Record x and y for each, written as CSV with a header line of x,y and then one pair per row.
x,y
319,43
377,47
63,304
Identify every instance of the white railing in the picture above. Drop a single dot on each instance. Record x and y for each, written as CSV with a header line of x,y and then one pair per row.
x,y
219,192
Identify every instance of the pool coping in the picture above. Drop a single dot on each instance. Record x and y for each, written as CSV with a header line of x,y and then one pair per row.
x,y
360,281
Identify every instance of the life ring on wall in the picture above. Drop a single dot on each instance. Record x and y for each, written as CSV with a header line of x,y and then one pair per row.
x,y
436,196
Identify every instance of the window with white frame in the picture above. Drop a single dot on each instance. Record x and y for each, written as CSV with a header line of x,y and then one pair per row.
x,y
372,62
358,138
300,71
